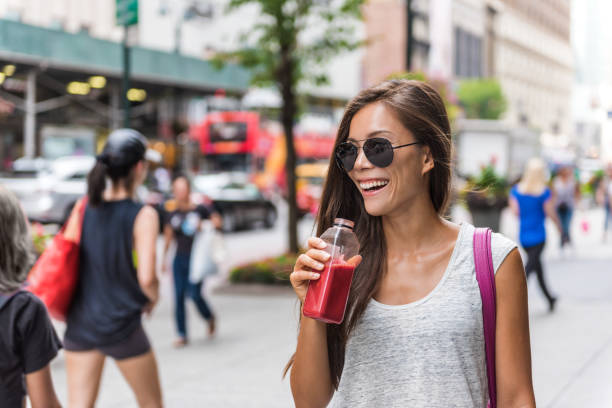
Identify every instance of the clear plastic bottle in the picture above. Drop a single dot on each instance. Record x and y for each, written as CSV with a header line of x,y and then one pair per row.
x,y
327,296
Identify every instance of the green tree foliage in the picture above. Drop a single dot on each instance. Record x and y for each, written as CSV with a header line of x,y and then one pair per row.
x,y
287,47
482,98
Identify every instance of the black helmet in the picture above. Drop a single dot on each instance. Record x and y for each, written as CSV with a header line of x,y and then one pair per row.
x,y
124,148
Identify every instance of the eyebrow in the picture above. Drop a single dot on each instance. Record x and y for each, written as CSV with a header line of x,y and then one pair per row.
x,y
371,134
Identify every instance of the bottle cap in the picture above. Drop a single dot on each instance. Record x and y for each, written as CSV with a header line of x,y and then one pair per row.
x,y
341,222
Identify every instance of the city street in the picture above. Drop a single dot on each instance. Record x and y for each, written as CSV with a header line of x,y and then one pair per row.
x,y
242,366
241,102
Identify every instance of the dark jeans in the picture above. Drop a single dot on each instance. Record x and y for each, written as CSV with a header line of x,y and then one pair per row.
x,y
182,287
565,216
534,264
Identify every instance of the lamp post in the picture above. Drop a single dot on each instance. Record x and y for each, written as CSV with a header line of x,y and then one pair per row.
x,y
409,35
126,14
125,85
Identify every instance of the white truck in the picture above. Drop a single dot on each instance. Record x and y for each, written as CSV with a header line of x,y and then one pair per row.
x,y
482,142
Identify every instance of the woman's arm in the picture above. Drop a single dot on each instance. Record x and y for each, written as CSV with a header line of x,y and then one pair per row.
x,y
146,228
311,383
513,350
549,209
216,220
168,236
310,377
514,206
40,389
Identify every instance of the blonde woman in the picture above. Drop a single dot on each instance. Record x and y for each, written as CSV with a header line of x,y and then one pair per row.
x,y
531,200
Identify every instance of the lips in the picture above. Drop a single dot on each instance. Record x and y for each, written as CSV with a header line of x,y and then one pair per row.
x,y
368,185
371,187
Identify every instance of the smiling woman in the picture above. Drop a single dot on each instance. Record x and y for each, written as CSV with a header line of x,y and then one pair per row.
x,y
413,332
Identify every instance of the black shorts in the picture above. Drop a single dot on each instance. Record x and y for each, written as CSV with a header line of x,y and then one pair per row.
x,y
134,345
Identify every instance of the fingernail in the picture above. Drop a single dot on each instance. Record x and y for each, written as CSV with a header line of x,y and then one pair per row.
x,y
326,256
319,265
316,275
322,244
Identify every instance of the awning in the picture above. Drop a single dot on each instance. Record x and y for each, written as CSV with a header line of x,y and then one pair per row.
x,y
26,44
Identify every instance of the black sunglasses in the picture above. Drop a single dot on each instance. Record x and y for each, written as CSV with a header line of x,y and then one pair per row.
x,y
378,151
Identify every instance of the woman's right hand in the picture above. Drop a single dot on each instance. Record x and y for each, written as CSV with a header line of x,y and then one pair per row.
x,y
310,264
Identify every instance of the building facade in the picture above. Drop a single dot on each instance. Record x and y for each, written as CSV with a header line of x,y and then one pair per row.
x,y
524,44
592,93
61,64
533,61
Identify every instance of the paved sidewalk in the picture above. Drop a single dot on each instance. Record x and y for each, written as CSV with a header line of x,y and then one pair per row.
x,y
572,348
242,366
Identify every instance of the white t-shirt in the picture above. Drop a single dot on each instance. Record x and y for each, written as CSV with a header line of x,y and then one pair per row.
x,y
429,353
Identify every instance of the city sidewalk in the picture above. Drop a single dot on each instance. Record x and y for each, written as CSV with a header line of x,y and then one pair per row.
x,y
242,366
571,348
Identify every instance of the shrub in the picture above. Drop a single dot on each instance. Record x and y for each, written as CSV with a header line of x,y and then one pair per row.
x,y
482,98
271,271
487,189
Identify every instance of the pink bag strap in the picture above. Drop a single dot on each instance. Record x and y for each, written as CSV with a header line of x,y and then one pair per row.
x,y
483,260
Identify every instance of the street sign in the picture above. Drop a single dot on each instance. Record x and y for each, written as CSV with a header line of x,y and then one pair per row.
x,y
126,12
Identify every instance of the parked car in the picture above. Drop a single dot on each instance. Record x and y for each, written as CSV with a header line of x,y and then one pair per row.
x,y
239,202
48,194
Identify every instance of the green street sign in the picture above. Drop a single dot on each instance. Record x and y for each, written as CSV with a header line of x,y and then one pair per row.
x,y
127,12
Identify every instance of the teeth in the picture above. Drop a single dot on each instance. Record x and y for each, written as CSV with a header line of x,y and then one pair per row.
x,y
372,184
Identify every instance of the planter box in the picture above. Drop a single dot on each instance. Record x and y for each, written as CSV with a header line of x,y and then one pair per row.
x,y
486,210
486,217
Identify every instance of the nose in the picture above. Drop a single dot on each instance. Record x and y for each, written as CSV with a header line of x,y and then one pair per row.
x,y
362,161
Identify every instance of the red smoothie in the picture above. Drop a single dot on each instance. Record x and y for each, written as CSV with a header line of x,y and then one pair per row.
x,y
326,297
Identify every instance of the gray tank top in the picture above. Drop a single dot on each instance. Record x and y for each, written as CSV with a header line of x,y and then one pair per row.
x,y
429,353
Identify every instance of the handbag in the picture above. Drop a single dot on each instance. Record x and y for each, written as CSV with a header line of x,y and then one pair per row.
x,y
54,275
485,275
207,252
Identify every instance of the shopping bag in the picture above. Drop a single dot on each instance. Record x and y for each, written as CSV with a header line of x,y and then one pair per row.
x,y
54,275
207,252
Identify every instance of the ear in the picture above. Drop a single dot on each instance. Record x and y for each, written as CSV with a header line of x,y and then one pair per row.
x,y
141,167
428,160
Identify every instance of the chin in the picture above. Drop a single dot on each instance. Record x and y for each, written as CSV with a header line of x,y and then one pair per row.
x,y
375,209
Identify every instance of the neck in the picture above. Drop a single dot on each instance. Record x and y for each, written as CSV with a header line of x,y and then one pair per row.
x,y
183,204
118,192
413,228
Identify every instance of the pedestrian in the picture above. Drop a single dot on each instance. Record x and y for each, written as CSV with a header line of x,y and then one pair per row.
x,y
604,197
532,202
28,341
566,193
183,221
413,334
117,281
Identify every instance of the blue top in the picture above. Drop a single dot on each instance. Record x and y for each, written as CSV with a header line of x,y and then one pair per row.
x,y
108,302
532,216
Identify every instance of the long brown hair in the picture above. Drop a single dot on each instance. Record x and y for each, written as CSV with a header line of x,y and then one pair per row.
x,y
421,110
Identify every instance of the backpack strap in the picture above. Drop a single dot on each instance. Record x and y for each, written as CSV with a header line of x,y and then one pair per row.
x,y
483,260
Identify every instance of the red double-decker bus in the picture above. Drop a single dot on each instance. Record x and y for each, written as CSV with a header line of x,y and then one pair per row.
x,y
242,141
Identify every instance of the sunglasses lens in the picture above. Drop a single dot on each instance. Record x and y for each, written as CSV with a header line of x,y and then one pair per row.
x,y
378,151
346,154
